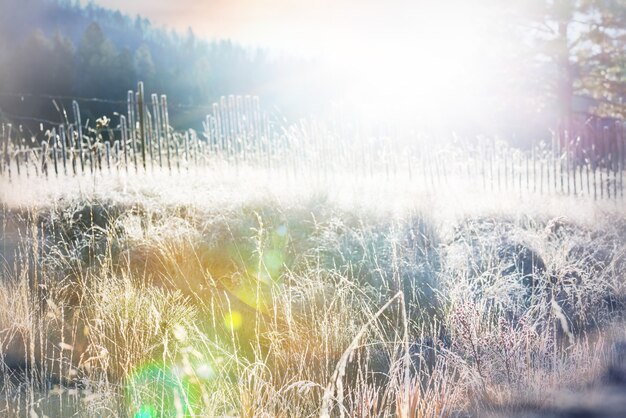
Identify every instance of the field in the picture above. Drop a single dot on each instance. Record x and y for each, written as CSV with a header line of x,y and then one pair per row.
x,y
351,209
234,290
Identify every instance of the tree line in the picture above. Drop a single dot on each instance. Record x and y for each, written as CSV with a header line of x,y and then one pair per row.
x,y
564,58
60,48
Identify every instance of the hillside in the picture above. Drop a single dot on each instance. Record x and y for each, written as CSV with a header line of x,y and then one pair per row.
x,y
50,49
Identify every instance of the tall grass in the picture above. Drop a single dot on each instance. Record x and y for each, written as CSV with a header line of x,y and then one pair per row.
x,y
273,301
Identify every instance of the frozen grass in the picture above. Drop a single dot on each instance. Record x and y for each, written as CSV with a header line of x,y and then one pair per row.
x,y
249,293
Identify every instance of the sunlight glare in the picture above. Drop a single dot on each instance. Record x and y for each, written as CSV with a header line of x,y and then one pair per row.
x,y
440,62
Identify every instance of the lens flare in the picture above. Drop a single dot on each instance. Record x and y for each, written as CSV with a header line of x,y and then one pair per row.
x,y
233,320
162,390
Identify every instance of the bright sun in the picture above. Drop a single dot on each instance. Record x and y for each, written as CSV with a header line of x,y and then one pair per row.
x,y
436,61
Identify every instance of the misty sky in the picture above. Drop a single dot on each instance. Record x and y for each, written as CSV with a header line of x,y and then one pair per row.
x,y
310,26
427,51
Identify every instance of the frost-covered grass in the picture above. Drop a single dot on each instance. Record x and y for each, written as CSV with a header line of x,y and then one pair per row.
x,y
248,293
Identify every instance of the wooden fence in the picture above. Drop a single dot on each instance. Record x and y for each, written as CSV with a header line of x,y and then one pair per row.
x,y
239,133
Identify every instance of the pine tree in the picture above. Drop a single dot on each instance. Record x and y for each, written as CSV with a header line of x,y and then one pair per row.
x,y
97,59
576,48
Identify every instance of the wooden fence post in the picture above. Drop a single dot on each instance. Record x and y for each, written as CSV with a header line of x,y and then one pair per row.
x,y
44,158
55,152
157,127
63,147
124,140
142,122
132,126
79,129
166,129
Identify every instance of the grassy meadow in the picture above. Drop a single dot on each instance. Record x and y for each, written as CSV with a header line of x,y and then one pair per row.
x,y
346,209
220,293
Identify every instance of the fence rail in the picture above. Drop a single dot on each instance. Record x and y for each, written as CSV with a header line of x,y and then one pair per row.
x,y
239,133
